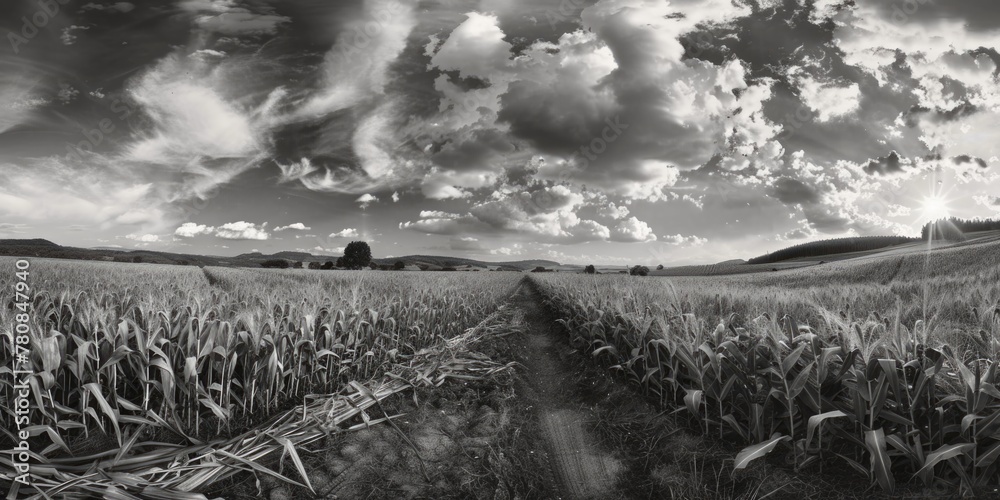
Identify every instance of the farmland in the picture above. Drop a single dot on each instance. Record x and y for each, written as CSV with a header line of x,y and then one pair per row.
x,y
886,365
168,379
194,355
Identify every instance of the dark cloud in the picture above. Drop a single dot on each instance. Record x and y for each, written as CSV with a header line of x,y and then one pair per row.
x,y
886,165
793,191
966,159
482,147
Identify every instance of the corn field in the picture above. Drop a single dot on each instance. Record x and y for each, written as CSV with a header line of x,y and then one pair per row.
x,y
185,355
795,368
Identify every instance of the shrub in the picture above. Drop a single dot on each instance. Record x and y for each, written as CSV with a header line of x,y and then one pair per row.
x,y
275,264
399,265
590,269
639,271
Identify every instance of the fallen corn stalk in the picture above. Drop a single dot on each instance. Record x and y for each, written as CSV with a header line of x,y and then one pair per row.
x,y
172,471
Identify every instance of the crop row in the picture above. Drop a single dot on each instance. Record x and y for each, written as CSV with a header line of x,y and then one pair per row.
x,y
219,351
884,399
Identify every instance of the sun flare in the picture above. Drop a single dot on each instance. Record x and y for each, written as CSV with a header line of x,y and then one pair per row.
x,y
934,208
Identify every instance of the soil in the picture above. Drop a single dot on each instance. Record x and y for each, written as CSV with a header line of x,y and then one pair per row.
x,y
580,468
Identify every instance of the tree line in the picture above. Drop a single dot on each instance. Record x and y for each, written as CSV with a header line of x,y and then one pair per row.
x,y
357,255
831,247
954,228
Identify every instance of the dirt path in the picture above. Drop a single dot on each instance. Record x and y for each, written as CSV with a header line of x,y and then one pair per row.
x,y
580,469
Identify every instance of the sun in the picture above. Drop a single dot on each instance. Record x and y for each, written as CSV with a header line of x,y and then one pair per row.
x,y
934,208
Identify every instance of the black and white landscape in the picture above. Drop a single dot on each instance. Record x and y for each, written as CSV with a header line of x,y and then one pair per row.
x,y
500,248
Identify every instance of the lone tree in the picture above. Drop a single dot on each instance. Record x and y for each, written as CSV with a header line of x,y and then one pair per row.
x,y
297,265
399,265
659,267
327,265
590,269
639,271
357,255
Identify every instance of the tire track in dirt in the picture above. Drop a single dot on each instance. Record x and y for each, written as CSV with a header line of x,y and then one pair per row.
x,y
581,469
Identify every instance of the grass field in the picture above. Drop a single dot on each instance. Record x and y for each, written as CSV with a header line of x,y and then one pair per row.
x,y
158,380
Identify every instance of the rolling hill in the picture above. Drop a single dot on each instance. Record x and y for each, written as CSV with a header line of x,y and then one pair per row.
x,y
48,249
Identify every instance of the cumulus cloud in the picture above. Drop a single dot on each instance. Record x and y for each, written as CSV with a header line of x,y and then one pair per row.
x,y
679,239
891,164
242,231
144,238
365,200
346,233
298,226
613,211
633,230
991,202
191,229
829,99
226,18
547,214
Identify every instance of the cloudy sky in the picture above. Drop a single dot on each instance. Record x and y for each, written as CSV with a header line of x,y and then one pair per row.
x,y
612,131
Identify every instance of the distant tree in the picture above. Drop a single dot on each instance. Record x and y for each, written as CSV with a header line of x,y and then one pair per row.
x,y
659,267
297,265
357,255
952,226
373,266
399,265
327,265
639,271
316,265
137,259
590,269
953,229
275,264
539,269
341,262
